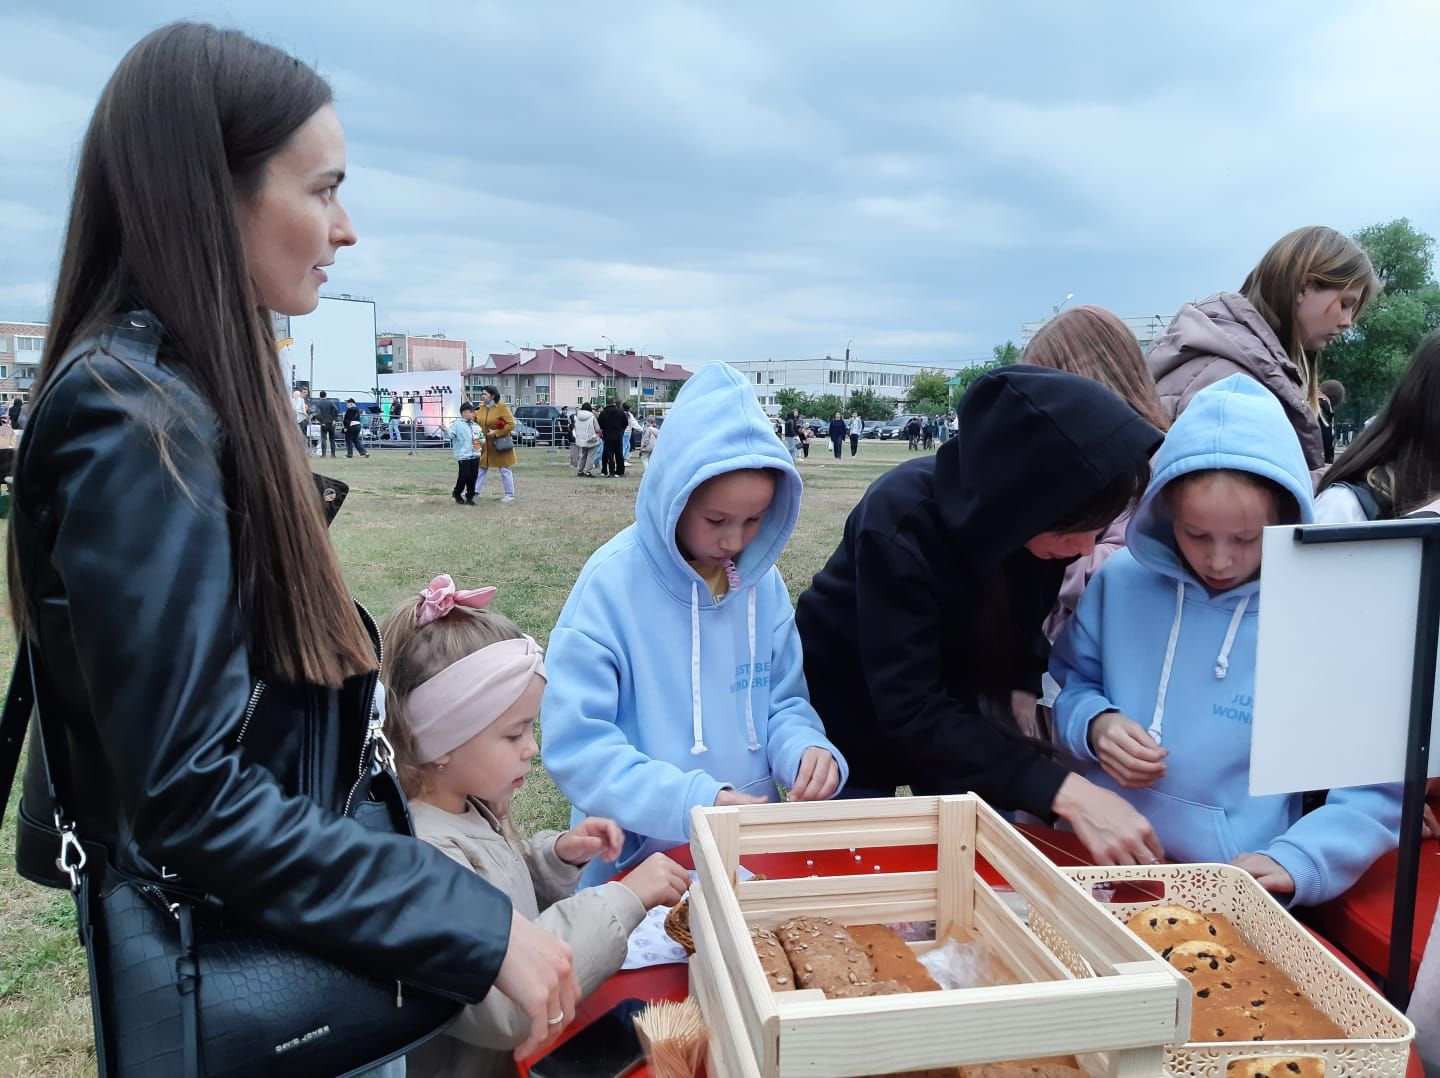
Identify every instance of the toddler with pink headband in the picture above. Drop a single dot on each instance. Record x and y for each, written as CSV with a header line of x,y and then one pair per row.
x,y
463,690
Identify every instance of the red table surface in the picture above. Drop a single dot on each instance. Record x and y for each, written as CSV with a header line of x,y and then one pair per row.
x,y
672,982
1358,922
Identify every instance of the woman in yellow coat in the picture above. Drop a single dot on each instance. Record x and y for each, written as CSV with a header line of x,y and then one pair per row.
x,y
493,416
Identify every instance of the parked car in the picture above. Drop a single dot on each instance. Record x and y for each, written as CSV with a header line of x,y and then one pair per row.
x,y
895,428
525,434
818,427
540,416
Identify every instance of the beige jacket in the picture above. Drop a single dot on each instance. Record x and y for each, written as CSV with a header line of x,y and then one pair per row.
x,y
596,923
1225,335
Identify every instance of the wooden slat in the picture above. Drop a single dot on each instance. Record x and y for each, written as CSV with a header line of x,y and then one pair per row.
x,y
1099,937
729,1047
997,925
955,878
873,899
806,838
823,888
724,825
719,929
882,1034
858,812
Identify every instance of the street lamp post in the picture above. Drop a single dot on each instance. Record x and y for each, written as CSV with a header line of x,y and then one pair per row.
x,y
1056,308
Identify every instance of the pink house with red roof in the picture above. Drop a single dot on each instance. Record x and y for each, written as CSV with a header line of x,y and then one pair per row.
x,y
558,374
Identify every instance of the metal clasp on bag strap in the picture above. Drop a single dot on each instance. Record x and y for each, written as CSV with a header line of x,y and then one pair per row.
x,y
384,751
72,857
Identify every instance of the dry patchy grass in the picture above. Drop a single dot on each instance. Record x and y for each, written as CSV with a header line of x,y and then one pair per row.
x,y
397,529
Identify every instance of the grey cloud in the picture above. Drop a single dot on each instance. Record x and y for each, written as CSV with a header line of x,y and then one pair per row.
x,y
751,179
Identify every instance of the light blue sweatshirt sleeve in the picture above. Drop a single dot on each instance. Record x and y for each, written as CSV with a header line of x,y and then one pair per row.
x,y
1077,665
591,760
1327,850
794,725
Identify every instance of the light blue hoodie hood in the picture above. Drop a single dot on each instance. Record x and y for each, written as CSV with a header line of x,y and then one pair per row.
x,y
1150,641
660,696
715,427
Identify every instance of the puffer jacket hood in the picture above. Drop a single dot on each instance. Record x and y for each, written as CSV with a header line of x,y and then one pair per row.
x,y
1218,337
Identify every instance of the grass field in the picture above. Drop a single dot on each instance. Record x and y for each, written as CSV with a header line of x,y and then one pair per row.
x,y
399,528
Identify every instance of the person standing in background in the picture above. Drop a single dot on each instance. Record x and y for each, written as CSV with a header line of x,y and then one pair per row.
x,y
352,429
302,413
837,433
1332,395
856,427
498,425
326,413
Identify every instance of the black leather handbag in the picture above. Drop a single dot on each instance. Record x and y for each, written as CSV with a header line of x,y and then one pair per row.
x,y
178,987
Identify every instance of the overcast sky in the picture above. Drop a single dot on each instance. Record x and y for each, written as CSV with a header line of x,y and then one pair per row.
x,y
741,180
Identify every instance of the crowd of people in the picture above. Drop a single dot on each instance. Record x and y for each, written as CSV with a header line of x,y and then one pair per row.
x,y
1108,502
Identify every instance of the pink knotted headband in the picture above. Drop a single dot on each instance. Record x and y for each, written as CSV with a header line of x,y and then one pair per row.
x,y
441,596
469,695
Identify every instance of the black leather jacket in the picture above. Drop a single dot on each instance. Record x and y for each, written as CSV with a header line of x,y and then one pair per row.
x,y
181,762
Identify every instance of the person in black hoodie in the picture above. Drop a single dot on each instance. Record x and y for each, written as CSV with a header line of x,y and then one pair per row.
x,y
614,427
922,634
352,429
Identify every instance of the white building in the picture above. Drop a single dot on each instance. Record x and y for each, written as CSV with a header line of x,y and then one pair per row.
x,y
816,377
1145,327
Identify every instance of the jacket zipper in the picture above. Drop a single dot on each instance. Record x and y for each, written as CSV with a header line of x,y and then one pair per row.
x,y
250,708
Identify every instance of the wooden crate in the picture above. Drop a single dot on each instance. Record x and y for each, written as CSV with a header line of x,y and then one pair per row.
x,y
1117,1014
1378,1037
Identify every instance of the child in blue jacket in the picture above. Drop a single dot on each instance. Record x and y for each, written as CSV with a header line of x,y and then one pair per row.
x,y
466,438
676,677
1157,668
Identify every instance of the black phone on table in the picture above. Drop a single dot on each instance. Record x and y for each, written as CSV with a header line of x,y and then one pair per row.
x,y
607,1048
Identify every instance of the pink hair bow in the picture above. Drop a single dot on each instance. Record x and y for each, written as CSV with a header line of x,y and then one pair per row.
x,y
441,596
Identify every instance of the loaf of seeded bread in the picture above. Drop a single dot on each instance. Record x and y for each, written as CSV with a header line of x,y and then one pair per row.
x,y
772,960
822,954
891,957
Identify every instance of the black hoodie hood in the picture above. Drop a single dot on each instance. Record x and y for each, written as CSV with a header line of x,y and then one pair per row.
x,y
930,610
1033,446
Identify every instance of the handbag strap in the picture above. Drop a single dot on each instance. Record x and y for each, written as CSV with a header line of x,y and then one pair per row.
x,y
20,702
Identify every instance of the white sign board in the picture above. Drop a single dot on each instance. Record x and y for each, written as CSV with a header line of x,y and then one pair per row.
x,y
1336,650
333,348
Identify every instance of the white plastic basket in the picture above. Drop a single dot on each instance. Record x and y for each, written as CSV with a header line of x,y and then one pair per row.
x,y
1378,1037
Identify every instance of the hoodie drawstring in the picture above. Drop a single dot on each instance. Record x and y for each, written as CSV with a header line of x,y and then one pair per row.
x,y
696,724
1222,662
1157,721
754,743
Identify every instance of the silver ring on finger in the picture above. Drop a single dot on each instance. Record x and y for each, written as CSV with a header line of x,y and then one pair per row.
x,y
557,1019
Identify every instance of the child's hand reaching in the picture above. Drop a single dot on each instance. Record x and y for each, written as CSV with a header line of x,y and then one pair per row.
x,y
1127,752
728,797
818,777
592,837
1267,872
658,881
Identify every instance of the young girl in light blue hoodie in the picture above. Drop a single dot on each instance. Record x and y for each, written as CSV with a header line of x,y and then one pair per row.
x,y
676,676
1157,667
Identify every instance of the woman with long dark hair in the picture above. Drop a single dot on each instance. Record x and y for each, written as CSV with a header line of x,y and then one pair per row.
x,y
1308,288
1393,467
169,563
